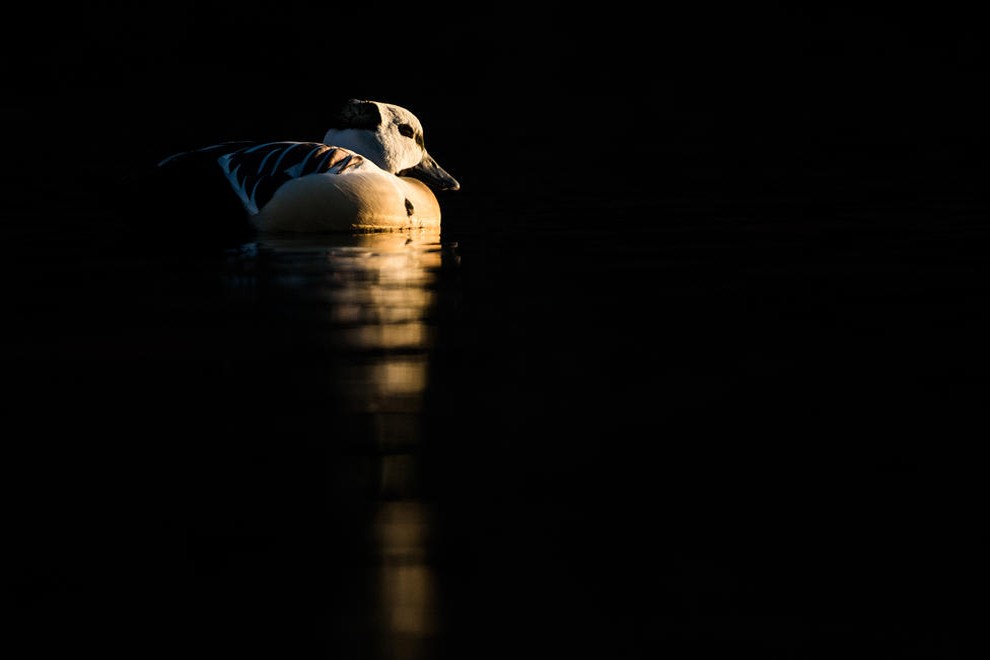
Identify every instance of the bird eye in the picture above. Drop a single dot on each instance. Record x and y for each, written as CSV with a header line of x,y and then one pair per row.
x,y
406,130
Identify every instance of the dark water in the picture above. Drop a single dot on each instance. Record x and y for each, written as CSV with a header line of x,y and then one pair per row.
x,y
690,378
698,423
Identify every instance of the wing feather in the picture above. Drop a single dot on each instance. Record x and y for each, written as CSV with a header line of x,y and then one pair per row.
x,y
255,181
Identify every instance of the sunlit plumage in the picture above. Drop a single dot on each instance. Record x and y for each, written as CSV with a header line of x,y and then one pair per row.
x,y
371,171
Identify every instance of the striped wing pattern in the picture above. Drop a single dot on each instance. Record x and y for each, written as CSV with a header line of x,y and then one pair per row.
x,y
257,171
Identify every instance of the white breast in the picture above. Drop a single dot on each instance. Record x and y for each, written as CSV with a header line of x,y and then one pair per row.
x,y
367,198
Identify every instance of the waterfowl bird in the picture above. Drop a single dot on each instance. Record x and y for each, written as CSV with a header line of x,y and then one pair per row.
x,y
371,171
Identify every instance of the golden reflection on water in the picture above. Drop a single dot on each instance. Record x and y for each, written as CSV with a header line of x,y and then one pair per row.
x,y
406,580
378,293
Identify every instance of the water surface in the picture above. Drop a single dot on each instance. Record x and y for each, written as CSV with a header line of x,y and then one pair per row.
x,y
694,424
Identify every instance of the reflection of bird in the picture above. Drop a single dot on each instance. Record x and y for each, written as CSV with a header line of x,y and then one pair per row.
x,y
371,171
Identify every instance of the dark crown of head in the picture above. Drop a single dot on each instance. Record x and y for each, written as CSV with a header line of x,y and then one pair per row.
x,y
357,113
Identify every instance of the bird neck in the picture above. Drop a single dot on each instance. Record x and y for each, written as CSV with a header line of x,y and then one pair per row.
x,y
361,141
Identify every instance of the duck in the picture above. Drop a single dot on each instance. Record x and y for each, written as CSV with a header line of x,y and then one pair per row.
x,y
371,171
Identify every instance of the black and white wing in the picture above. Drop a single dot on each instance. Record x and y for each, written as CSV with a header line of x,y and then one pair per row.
x,y
257,171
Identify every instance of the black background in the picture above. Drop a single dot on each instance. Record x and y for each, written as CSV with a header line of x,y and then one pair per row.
x,y
727,367
795,90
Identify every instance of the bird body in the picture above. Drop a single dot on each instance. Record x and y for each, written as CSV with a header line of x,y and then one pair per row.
x,y
369,198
